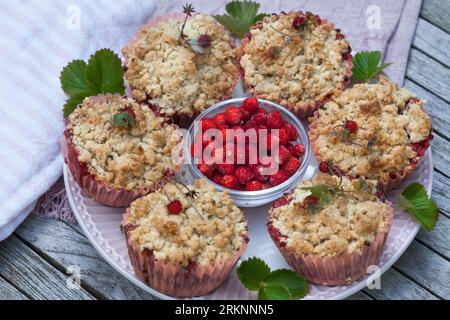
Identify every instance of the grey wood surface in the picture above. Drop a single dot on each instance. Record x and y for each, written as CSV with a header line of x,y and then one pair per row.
x,y
34,261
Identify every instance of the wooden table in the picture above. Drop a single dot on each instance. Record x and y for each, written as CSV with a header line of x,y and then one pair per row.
x,y
34,261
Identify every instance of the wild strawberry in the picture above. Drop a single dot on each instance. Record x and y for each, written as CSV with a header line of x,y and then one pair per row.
x,y
340,36
229,181
275,120
257,173
254,186
283,136
225,168
310,201
217,179
282,202
251,105
283,154
278,177
298,22
204,41
243,174
292,132
174,207
259,119
206,169
291,166
220,121
207,124
261,110
351,126
246,115
296,150
233,115
323,167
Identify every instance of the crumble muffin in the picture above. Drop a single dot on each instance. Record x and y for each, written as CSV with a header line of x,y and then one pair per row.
x,y
296,59
184,240
390,131
330,229
116,164
179,79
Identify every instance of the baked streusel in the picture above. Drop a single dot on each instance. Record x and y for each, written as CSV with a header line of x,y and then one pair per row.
x,y
391,122
129,158
209,228
296,67
169,74
343,225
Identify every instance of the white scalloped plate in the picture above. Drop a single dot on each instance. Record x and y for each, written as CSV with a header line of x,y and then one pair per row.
x,y
101,225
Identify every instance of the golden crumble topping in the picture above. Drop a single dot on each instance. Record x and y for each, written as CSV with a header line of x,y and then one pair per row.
x,y
123,158
342,226
172,75
390,117
210,228
308,67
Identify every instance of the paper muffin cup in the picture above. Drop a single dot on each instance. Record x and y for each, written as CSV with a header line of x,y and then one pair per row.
x,y
305,110
181,119
172,279
393,180
97,189
335,271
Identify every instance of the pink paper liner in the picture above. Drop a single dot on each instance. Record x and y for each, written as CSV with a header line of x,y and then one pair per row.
x,y
172,279
335,271
179,118
306,110
99,190
384,185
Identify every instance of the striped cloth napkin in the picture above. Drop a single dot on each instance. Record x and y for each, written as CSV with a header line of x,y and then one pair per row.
x,y
40,36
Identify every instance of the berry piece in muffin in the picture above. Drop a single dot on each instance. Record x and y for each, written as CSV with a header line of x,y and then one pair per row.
x,y
308,61
165,70
377,131
191,252
330,229
118,149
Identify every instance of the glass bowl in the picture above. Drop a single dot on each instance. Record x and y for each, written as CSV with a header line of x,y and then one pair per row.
x,y
261,197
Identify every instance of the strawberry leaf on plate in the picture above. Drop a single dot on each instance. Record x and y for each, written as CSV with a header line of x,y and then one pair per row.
x,y
366,65
104,71
252,273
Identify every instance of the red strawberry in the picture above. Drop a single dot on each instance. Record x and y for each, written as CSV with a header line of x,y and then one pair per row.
x,y
323,167
279,177
296,150
283,136
233,115
174,207
220,120
261,110
298,22
229,181
226,168
254,186
206,169
217,179
257,169
259,118
246,115
207,124
243,174
291,166
275,120
283,154
292,132
310,201
251,105
351,126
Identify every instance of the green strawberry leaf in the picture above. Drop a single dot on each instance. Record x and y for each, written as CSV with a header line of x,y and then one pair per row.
x,y
72,103
73,79
252,273
105,72
273,292
414,199
295,286
366,65
124,119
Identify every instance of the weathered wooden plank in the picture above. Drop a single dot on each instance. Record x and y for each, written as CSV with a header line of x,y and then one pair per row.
x,y
33,275
58,241
440,194
437,108
359,296
8,292
433,41
438,239
427,268
395,286
441,152
429,73
437,12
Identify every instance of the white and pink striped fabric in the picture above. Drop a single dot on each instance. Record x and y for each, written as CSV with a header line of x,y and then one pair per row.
x,y
39,37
